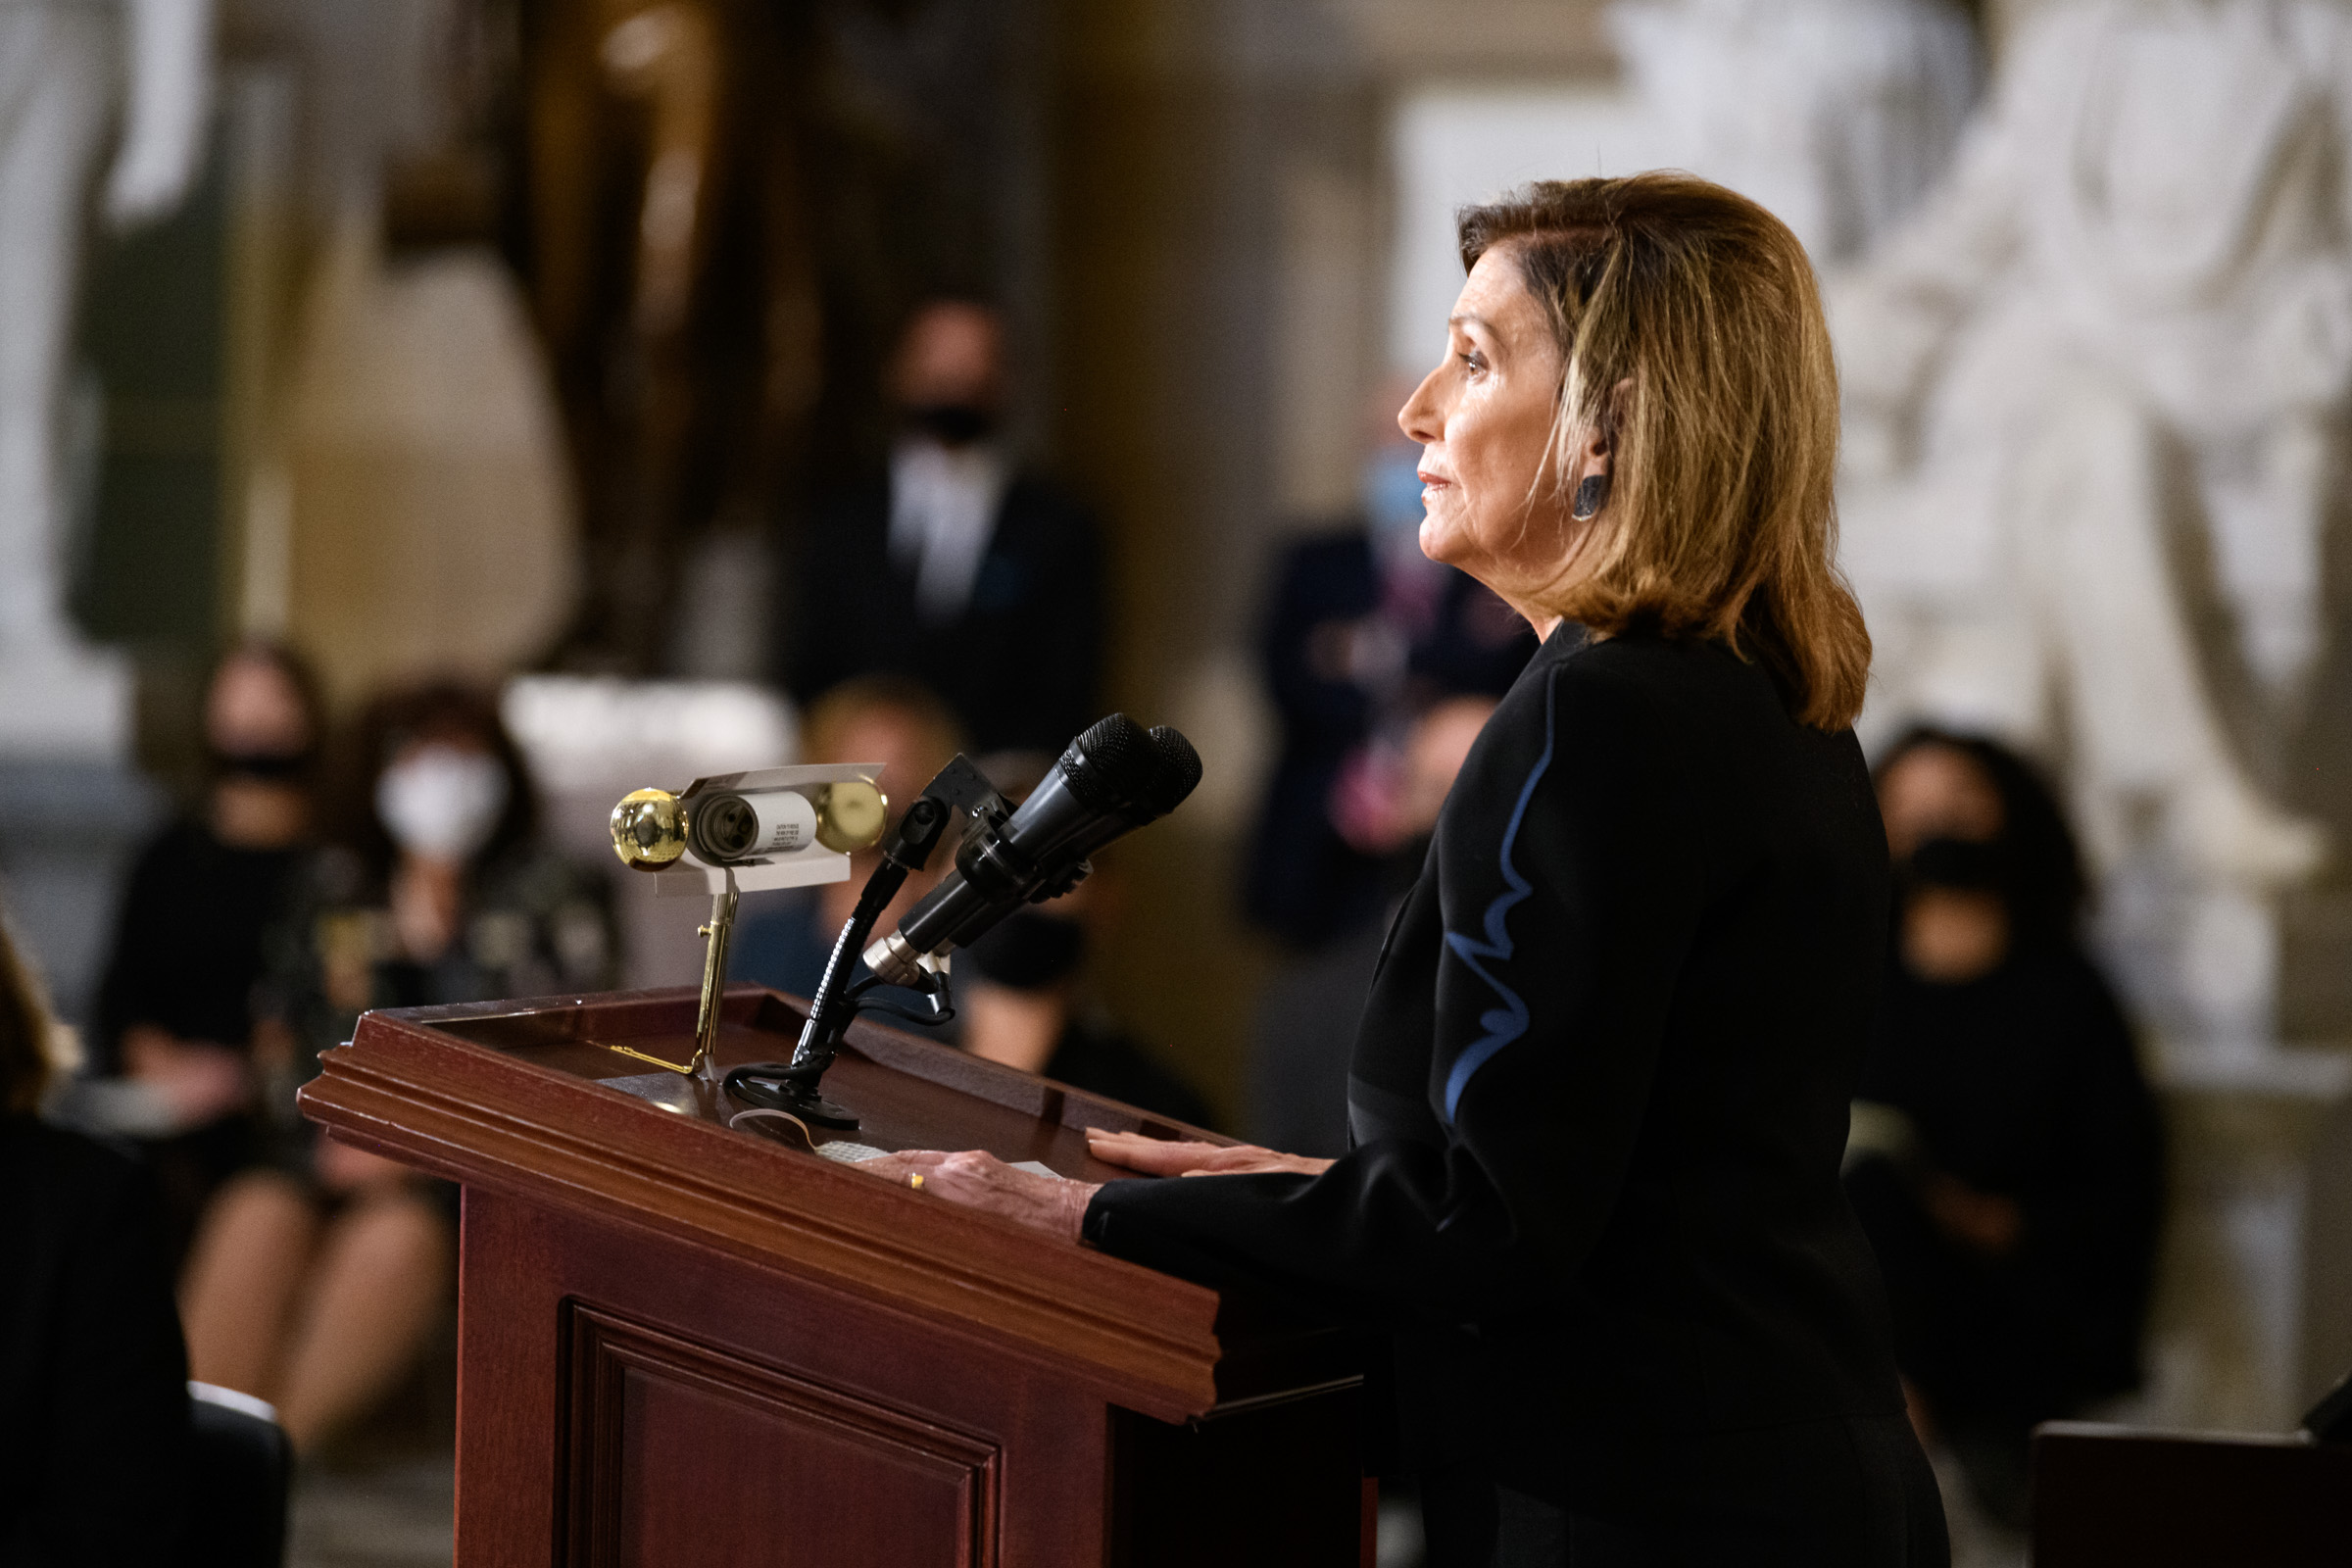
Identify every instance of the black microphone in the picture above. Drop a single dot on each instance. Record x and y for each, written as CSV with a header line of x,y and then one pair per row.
x,y
1175,772
1114,778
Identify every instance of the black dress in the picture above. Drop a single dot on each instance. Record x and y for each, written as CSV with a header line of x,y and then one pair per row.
x,y
93,1378
188,941
189,955
2023,1083
1598,1101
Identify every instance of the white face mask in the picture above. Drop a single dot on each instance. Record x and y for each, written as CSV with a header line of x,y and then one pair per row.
x,y
442,802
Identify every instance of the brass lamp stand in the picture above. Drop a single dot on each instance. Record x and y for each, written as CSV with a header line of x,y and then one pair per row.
x,y
650,834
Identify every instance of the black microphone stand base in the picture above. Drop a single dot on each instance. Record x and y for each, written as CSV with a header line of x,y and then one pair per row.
x,y
816,1109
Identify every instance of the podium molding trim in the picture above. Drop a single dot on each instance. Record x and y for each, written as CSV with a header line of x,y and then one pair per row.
x,y
410,1085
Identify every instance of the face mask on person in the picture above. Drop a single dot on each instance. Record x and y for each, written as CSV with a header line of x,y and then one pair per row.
x,y
1960,865
953,424
442,802
270,768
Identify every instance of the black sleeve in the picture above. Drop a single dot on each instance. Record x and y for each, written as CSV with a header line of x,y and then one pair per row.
x,y
1570,892
113,1458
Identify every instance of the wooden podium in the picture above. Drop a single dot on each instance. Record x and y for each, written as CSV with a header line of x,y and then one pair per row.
x,y
683,1344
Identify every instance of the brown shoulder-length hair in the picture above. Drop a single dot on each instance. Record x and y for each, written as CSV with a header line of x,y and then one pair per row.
x,y
1720,521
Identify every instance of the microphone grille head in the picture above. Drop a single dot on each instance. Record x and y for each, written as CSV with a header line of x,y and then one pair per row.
x,y
1179,770
1114,762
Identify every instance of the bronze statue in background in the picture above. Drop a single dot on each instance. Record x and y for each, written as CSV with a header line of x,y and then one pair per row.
x,y
672,274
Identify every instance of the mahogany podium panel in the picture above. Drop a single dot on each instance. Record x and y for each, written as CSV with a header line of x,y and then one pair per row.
x,y
2113,1497
684,1344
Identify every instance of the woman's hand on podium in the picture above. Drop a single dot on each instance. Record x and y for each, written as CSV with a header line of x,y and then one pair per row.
x,y
1163,1156
981,1181
1056,1203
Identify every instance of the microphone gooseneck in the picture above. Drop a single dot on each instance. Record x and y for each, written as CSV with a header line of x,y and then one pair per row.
x,y
1112,779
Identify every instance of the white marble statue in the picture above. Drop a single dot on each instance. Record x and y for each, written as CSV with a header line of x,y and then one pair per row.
x,y
2097,384
77,79
1838,115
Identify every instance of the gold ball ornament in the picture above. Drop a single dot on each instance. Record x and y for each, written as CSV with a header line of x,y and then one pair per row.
x,y
851,817
649,830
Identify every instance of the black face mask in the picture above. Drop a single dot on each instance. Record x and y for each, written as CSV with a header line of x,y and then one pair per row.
x,y
276,768
953,424
1969,865
1029,951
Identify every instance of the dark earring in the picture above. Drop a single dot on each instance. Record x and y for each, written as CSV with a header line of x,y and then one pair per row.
x,y
1591,494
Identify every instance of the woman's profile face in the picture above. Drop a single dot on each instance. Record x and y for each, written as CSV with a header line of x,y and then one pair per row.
x,y
1484,418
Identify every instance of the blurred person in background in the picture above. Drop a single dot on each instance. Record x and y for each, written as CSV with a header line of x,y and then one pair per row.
x,y
1362,634
93,1378
1020,1001
2007,1160
1307,1019
176,1010
953,568
316,1283
783,939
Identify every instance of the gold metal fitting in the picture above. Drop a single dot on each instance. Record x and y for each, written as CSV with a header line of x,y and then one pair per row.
x,y
851,817
914,1180
649,829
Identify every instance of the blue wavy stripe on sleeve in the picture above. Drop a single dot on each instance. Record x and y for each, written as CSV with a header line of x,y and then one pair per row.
x,y
1507,1022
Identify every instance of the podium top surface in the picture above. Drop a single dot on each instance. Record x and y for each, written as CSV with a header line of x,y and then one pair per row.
x,y
526,1097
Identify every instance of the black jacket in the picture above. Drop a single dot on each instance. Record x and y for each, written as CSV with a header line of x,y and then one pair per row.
x,y
93,1380
1020,666
1599,1098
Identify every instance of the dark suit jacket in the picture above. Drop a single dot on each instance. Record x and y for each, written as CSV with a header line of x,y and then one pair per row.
x,y
1020,666
1306,884
93,1378
1600,1093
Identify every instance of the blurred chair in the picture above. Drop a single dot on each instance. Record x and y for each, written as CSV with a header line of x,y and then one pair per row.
x,y
240,1465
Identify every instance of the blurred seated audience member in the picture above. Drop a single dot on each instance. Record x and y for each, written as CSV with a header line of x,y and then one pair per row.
x,y
953,568
316,1284
1363,633
94,1381
783,939
1305,1030
2007,1160
1017,1001
176,1007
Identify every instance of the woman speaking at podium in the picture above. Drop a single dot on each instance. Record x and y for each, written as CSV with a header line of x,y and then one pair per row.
x,y
1598,1096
